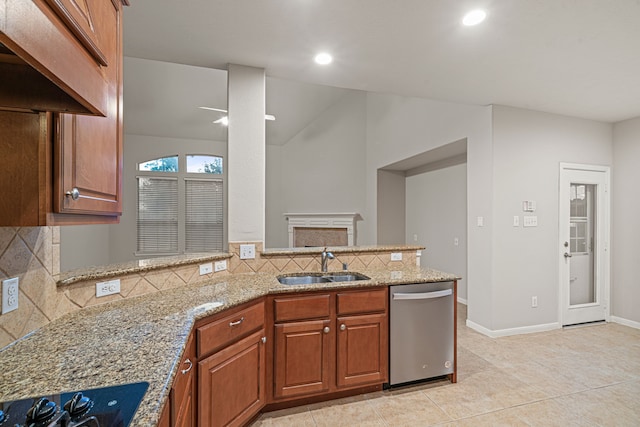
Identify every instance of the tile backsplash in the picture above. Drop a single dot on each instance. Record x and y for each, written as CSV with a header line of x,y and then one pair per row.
x,y
33,255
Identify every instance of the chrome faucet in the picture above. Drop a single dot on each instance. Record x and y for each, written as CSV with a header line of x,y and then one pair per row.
x,y
326,256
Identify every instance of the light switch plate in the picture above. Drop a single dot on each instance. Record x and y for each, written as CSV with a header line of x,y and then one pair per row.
x,y
107,288
10,295
220,265
247,251
396,256
206,268
516,221
530,221
480,221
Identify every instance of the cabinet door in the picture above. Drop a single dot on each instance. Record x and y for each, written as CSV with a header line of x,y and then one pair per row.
x,y
302,358
88,149
231,383
362,354
183,390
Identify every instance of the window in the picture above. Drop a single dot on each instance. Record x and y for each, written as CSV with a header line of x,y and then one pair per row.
x,y
180,205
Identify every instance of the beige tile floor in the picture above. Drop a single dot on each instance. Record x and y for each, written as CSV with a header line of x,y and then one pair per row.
x,y
583,376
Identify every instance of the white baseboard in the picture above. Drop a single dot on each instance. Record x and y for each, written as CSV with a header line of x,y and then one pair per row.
x,y
625,322
512,331
462,301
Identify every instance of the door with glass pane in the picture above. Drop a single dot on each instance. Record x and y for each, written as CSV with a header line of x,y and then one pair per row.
x,y
584,236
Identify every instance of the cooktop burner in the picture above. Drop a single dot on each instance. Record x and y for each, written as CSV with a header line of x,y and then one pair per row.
x,y
99,407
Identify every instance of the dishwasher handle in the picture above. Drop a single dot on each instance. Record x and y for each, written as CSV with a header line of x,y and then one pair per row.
x,y
422,295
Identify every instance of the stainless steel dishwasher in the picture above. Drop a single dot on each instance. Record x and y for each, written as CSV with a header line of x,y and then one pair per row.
x,y
421,335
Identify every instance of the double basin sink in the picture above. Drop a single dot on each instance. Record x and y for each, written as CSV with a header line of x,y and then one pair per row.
x,y
308,279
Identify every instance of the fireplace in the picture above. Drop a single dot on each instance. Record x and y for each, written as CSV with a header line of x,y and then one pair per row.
x,y
321,229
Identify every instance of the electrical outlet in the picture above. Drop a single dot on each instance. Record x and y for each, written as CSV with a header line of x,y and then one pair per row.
x,y
415,237
480,221
220,265
396,256
10,295
247,251
206,268
107,288
530,221
534,302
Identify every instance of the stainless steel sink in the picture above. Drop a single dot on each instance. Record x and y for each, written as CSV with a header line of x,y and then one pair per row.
x,y
308,279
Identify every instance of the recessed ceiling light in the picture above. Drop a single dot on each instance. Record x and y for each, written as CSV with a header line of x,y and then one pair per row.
x,y
323,58
474,17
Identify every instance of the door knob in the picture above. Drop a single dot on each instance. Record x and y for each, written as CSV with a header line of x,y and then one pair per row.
x,y
567,255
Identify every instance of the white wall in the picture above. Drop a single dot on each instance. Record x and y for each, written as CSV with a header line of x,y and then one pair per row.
x,y
247,154
276,234
436,212
625,260
84,245
527,149
322,168
399,128
392,206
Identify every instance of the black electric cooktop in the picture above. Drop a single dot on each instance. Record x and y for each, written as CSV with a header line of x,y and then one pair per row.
x,y
99,407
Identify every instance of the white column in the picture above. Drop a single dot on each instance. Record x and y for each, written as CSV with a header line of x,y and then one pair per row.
x,y
246,152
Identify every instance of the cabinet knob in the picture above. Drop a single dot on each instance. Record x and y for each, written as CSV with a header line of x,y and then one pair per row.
x,y
74,193
184,371
343,327
264,340
326,330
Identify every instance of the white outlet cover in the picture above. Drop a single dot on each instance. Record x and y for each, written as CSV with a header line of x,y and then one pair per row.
x,y
10,295
220,265
530,221
396,256
247,251
107,288
206,268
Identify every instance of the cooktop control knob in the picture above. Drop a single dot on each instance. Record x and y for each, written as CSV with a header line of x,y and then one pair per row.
x,y
41,412
78,405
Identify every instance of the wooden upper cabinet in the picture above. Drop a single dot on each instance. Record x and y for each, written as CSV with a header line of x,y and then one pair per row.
x,y
79,18
88,149
67,42
59,57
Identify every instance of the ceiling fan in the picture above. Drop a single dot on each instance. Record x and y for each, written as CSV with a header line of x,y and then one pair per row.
x,y
224,120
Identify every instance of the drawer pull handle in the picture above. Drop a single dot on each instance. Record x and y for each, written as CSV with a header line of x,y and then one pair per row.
x,y
236,323
184,371
326,330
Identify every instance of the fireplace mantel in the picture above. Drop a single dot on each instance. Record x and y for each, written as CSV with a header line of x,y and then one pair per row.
x,y
345,221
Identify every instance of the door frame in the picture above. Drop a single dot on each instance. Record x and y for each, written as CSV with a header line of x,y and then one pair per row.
x,y
603,231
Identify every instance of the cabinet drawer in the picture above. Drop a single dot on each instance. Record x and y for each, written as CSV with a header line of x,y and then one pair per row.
x,y
362,301
230,328
301,308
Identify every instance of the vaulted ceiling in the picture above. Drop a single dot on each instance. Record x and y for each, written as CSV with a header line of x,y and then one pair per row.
x,y
571,57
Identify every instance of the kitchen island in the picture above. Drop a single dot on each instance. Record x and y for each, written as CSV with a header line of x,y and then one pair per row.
x,y
144,338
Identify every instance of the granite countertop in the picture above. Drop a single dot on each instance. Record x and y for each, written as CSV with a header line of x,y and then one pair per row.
x,y
143,338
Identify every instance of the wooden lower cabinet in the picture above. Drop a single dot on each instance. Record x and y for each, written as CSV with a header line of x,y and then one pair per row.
x,y
348,348
302,357
183,390
362,351
231,383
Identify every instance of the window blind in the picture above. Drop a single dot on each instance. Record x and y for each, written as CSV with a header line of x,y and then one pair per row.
x,y
157,215
203,215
